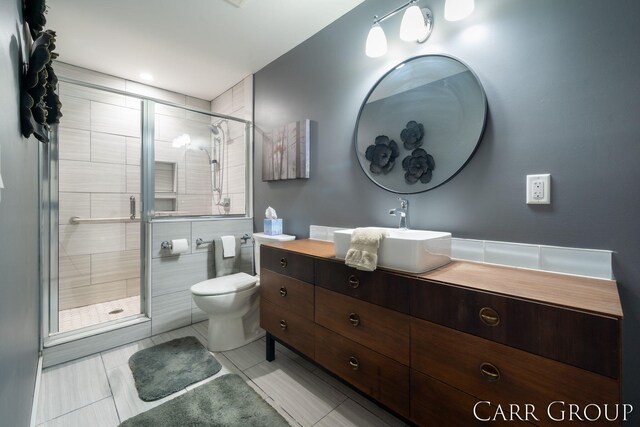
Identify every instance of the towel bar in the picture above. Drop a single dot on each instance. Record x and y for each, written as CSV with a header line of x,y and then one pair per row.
x,y
199,241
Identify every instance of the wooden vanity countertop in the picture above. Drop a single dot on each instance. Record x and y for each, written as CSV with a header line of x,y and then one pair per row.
x,y
576,292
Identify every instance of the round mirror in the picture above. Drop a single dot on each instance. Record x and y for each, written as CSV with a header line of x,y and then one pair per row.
x,y
420,124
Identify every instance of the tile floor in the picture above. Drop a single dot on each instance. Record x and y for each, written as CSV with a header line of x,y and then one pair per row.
x,y
99,391
76,318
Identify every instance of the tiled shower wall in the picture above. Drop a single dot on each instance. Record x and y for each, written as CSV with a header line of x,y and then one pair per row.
x,y
100,169
236,102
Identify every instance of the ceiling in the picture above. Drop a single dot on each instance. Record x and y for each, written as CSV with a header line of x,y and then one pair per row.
x,y
197,47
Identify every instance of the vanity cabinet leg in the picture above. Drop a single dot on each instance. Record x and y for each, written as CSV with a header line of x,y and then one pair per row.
x,y
271,348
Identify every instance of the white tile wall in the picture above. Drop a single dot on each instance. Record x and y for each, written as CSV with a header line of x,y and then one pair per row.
x,y
73,204
74,271
115,119
133,179
68,89
132,238
86,177
178,273
111,205
77,113
223,104
237,203
108,148
170,311
583,262
195,204
74,144
235,178
134,150
85,239
92,294
114,266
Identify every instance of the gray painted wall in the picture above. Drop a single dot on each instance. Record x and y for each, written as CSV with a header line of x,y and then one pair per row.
x,y
19,288
562,86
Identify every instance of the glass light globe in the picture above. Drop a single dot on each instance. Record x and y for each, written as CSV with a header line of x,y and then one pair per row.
x,y
376,42
412,27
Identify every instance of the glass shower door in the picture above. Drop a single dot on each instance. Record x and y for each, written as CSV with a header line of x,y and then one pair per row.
x,y
99,232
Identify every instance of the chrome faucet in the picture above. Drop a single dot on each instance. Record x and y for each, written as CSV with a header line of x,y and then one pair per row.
x,y
403,213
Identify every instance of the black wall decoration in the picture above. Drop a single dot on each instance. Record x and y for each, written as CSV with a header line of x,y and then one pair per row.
x,y
39,103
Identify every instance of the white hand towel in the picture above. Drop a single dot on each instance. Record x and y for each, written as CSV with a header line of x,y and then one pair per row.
x,y
363,252
228,246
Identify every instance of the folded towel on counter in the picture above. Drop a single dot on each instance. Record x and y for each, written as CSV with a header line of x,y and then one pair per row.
x,y
228,246
363,252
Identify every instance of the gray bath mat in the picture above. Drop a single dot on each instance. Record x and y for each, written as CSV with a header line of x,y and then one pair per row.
x,y
171,366
226,401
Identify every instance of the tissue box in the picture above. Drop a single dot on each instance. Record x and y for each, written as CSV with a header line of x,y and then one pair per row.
x,y
273,227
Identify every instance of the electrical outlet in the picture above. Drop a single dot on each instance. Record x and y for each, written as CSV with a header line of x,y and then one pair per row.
x,y
539,189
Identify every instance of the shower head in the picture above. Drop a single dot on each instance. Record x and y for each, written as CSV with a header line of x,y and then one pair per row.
x,y
216,128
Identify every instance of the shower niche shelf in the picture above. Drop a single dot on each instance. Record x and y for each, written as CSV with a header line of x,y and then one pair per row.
x,y
166,187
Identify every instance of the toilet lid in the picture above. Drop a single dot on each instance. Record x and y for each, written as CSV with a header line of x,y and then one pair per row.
x,y
224,285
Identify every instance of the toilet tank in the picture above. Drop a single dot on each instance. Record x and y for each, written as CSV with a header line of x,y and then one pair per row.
x,y
260,238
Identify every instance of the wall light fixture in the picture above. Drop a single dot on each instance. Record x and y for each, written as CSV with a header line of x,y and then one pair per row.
x,y
416,26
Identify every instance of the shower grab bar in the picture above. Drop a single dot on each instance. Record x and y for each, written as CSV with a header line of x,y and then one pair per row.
x,y
75,220
200,242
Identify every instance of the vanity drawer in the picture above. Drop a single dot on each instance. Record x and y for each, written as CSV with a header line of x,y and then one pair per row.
x,y
434,403
378,287
581,339
288,327
287,293
287,263
504,375
382,378
383,330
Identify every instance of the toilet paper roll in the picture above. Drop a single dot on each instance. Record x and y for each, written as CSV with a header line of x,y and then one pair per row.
x,y
179,246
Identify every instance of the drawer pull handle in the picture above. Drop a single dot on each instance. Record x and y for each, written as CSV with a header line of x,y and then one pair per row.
x,y
354,319
283,262
489,316
283,291
283,325
353,362
489,372
354,282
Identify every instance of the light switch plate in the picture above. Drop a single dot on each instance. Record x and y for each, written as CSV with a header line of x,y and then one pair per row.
x,y
539,189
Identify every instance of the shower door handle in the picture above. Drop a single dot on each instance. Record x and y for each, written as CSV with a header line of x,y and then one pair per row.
x,y
132,207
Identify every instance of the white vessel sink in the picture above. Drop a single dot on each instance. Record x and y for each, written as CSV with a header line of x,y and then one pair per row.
x,y
411,251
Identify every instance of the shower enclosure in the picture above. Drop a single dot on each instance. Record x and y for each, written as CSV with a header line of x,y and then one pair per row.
x,y
117,163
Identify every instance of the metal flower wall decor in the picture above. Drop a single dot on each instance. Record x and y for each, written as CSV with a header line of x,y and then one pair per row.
x,y
39,103
418,165
382,155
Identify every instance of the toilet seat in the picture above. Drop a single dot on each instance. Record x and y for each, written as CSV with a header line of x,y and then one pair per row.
x,y
225,285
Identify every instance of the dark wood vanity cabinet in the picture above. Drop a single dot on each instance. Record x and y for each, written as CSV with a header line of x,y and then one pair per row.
x,y
467,344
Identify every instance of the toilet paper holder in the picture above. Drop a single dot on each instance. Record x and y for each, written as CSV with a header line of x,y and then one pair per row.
x,y
166,245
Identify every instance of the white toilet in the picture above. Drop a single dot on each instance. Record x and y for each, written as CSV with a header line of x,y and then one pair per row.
x,y
232,303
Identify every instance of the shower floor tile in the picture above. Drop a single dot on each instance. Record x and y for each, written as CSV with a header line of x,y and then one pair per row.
x,y
76,318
